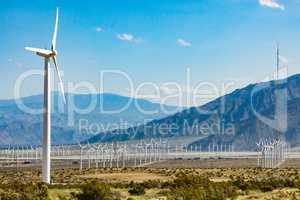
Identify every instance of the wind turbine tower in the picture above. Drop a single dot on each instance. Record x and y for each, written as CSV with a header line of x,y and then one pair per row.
x,y
47,55
277,61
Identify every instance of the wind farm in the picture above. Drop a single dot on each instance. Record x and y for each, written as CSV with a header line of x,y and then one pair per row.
x,y
152,106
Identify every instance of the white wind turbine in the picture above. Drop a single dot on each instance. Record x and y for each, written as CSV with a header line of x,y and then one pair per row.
x,y
47,55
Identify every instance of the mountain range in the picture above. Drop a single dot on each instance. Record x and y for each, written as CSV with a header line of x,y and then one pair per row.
x,y
265,110
241,118
82,116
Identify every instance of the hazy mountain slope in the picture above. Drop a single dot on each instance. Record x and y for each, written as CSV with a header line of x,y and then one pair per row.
x,y
18,127
229,119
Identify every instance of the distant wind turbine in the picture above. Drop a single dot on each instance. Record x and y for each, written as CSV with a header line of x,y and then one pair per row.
x,y
277,61
47,55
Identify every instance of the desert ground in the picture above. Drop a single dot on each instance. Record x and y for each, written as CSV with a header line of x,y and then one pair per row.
x,y
199,179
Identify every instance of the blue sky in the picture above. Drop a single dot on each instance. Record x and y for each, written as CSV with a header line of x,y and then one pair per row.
x,y
150,40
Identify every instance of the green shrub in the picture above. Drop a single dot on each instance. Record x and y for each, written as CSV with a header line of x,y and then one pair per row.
x,y
187,187
150,184
22,191
9,195
265,185
96,191
137,190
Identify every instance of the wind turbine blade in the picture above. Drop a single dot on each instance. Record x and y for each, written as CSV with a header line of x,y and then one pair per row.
x,y
53,47
40,51
59,78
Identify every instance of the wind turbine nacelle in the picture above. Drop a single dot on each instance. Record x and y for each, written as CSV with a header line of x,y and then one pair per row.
x,y
47,55
42,52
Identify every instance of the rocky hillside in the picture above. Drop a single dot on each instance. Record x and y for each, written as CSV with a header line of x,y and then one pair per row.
x,y
241,118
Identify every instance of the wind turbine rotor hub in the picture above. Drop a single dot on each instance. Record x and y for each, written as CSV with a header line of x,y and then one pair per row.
x,y
54,53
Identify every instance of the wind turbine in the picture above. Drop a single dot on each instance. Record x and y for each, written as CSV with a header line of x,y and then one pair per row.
x,y
47,55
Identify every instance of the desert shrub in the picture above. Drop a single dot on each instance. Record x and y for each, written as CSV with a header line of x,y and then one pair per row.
x,y
9,195
265,185
213,191
137,190
187,187
119,185
24,191
188,180
96,191
151,184
62,197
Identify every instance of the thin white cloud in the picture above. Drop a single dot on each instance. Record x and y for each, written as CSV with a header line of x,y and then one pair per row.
x,y
128,37
183,43
98,29
271,4
125,37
